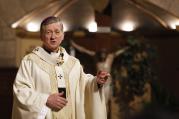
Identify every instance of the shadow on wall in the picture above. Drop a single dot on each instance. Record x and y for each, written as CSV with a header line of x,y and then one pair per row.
x,y
156,112
7,76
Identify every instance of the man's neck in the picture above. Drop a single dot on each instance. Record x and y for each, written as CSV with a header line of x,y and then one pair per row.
x,y
50,51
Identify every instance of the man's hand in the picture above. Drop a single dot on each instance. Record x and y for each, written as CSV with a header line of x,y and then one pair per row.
x,y
102,77
56,101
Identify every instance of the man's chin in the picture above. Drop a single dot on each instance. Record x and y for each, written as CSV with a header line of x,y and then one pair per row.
x,y
54,48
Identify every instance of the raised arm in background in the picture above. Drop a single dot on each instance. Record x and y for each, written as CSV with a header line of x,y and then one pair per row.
x,y
82,49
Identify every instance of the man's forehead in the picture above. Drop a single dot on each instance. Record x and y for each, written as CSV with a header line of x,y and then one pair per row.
x,y
56,25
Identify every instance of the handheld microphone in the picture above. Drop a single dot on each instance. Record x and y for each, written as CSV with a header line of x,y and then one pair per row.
x,y
62,89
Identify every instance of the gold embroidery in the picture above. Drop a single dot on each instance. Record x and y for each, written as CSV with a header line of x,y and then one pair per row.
x,y
60,59
66,112
50,69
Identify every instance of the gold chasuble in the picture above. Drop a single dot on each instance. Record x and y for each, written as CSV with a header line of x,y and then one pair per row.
x,y
36,79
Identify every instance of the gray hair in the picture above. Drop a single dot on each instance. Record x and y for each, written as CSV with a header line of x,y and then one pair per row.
x,y
50,20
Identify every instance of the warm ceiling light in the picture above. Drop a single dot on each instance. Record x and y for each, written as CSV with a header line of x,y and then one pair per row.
x,y
92,27
127,26
65,27
32,27
14,25
174,24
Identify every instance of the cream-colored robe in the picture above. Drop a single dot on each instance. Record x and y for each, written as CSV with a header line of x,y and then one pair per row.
x,y
36,79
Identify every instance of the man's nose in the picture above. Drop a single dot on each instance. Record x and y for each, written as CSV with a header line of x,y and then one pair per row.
x,y
53,35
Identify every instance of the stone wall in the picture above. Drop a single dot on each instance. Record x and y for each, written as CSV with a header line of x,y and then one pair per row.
x,y
11,11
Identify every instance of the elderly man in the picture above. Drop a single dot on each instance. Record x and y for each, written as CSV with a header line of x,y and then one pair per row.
x,y
51,84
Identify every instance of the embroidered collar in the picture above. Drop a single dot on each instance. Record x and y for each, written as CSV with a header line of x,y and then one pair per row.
x,y
61,57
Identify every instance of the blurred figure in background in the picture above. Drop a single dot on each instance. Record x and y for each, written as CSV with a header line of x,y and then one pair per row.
x,y
104,61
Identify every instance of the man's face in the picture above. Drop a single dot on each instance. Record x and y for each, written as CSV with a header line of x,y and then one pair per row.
x,y
52,36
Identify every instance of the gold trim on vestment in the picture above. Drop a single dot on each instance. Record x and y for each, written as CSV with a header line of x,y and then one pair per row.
x,y
66,112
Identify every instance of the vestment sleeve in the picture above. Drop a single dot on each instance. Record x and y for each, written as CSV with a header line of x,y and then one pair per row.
x,y
27,98
95,107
